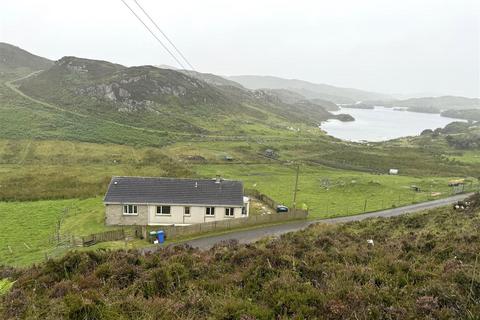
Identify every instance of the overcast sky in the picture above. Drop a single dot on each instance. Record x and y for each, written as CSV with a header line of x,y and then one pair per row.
x,y
403,46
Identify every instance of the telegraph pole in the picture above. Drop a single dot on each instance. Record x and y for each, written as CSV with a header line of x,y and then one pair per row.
x,y
295,190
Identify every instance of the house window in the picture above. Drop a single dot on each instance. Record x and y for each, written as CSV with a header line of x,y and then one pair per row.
x,y
163,210
229,212
130,209
210,211
186,211
244,211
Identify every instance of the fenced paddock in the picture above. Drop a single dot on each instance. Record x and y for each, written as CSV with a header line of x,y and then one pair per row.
x,y
261,197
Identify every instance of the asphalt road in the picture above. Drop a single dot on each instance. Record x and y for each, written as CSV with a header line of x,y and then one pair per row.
x,y
252,235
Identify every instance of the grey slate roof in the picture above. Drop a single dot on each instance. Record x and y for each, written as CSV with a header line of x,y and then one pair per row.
x,y
174,191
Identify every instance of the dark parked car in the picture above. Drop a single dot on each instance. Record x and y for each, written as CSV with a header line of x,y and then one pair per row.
x,y
282,208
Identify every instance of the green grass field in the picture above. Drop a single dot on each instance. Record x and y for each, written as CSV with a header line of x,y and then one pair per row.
x,y
41,177
73,176
330,192
28,228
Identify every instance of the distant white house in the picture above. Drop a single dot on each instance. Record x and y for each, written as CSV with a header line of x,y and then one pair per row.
x,y
393,171
170,201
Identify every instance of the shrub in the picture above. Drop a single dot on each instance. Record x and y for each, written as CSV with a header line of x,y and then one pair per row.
x,y
420,267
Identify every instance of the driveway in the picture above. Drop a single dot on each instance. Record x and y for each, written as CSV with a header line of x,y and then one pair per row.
x,y
253,235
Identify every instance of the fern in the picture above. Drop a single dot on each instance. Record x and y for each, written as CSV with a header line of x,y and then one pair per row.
x,y
5,285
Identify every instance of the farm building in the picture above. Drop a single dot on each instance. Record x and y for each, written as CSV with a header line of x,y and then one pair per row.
x,y
170,201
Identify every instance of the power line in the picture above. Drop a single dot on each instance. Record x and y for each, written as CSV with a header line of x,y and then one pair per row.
x,y
153,34
166,37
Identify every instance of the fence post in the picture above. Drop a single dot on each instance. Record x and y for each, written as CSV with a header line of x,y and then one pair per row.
x,y
365,206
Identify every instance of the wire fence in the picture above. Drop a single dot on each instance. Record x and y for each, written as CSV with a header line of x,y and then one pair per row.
x,y
359,206
58,242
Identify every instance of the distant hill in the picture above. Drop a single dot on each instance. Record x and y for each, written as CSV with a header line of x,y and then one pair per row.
x,y
285,95
16,60
292,97
308,89
327,105
468,114
316,112
430,104
212,79
207,77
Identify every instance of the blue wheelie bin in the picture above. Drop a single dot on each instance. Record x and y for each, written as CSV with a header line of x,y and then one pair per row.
x,y
160,236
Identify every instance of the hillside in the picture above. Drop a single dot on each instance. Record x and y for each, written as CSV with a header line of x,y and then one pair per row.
x,y
420,267
99,101
315,112
161,99
308,89
327,105
17,61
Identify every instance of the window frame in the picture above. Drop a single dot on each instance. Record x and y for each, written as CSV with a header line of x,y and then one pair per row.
x,y
162,213
128,212
231,212
189,209
210,211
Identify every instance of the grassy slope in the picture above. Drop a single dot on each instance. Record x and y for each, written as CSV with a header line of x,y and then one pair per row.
x,y
60,169
420,267
24,118
471,157
157,99
28,228
15,61
34,167
43,169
